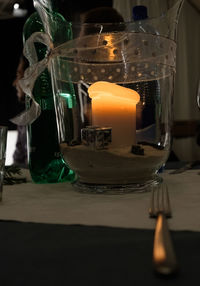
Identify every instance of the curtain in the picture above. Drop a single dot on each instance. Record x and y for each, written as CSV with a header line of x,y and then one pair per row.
x,y
187,78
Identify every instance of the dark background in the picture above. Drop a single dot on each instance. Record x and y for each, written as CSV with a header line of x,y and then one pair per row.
x,y
11,47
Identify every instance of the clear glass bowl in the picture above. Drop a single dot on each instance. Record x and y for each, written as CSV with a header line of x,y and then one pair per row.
x,y
113,88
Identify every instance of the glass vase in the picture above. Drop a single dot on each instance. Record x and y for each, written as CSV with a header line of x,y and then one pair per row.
x,y
113,88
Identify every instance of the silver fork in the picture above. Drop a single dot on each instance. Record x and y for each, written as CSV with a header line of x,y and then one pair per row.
x,y
164,258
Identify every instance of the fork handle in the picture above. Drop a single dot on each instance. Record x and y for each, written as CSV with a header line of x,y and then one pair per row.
x,y
164,258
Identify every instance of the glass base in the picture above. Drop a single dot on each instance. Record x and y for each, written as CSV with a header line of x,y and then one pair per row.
x,y
117,189
55,172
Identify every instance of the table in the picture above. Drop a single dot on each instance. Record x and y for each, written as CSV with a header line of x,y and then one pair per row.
x,y
61,204
53,235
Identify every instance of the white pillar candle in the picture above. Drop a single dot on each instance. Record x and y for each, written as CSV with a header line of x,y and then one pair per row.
x,y
115,106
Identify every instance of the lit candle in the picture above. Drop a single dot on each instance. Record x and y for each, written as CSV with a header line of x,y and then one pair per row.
x,y
115,106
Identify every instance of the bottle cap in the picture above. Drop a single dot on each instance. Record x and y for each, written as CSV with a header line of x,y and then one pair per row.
x,y
140,12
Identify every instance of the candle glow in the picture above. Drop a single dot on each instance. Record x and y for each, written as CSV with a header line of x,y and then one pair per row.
x,y
115,106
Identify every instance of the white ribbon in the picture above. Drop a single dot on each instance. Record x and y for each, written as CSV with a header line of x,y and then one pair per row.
x,y
31,74
123,57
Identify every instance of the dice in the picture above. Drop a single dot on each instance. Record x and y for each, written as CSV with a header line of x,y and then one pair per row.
x,y
96,137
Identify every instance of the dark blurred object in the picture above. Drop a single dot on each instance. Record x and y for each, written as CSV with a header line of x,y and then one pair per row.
x,y
101,15
23,64
72,10
13,175
10,50
172,157
185,128
20,154
195,4
140,13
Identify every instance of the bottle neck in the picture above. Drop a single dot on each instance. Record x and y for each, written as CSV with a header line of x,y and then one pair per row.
x,y
45,9
48,5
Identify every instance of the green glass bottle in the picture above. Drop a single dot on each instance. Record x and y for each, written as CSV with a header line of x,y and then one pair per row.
x,y
46,163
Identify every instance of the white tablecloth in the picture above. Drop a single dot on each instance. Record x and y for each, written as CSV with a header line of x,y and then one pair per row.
x,y
61,204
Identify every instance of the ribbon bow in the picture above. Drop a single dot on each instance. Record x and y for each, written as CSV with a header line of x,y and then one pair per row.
x,y
31,74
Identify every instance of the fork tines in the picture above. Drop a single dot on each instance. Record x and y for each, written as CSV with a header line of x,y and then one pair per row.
x,y
160,202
